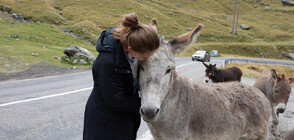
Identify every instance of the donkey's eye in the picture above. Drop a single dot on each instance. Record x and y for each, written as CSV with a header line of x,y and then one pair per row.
x,y
276,91
168,71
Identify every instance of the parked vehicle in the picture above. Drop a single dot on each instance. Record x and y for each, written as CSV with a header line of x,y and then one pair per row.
x,y
201,55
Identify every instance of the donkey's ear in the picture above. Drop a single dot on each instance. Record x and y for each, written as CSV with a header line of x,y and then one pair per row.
x,y
205,64
179,43
275,76
153,24
291,80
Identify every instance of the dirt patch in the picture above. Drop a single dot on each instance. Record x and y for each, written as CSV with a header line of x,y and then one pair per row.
x,y
40,70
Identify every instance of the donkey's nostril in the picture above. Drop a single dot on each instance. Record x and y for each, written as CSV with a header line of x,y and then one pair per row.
x,y
157,111
142,111
281,110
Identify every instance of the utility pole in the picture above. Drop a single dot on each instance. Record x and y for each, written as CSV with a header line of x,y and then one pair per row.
x,y
234,14
235,17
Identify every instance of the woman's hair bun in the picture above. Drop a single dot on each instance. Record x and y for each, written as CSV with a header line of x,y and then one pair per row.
x,y
130,20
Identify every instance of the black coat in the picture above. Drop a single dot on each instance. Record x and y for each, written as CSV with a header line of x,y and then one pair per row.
x,y
112,110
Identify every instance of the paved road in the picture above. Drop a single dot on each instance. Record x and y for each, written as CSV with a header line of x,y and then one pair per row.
x,y
53,107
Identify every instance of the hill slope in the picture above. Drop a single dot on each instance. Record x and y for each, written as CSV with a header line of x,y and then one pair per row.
x,y
272,30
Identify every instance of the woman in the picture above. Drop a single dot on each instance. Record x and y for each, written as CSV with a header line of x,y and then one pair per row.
x,y
112,110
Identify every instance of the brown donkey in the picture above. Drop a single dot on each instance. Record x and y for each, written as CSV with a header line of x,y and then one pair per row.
x,y
277,89
224,75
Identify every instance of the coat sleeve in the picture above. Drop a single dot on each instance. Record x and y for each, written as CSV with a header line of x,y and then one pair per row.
x,y
111,87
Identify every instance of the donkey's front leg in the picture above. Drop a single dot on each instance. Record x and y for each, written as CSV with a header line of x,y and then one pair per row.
x,y
275,123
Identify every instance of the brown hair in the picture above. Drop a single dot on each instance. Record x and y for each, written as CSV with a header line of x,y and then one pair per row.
x,y
140,37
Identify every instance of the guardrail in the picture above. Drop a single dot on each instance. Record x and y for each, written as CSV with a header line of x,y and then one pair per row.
x,y
259,61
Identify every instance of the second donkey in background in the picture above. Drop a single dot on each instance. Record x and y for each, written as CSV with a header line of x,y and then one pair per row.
x,y
222,75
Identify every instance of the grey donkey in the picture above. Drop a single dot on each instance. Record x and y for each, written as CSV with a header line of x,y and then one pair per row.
x,y
178,108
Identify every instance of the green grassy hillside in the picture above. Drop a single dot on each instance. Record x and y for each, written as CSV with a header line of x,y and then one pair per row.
x,y
272,30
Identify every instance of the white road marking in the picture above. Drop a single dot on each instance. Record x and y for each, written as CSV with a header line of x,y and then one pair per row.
x,y
185,64
44,97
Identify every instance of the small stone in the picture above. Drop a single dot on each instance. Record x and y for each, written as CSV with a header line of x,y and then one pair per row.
x,y
14,36
178,5
75,61
275,27
82,61
7,65
44,47
34,54
56,57
267,7
189,29
244,27
228,18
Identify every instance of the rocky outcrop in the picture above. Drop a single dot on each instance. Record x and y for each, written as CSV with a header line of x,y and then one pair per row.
x,y
288,2
79,54
288,55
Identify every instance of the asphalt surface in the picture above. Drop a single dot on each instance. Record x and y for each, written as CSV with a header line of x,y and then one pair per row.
x,y
52,108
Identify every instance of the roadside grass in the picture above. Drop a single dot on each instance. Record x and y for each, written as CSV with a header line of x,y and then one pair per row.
x,y
15,52
254,70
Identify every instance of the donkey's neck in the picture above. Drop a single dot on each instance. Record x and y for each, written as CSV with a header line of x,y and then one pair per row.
x,y
269,90
178,96
179,89
217,76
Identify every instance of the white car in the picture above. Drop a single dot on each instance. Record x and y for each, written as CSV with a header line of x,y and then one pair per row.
x,y
201,55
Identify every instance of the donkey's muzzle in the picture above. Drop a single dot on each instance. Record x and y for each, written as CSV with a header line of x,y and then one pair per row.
x,y
149,113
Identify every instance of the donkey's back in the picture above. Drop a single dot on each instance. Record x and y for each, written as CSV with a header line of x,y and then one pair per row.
x,y
232,74
227,111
